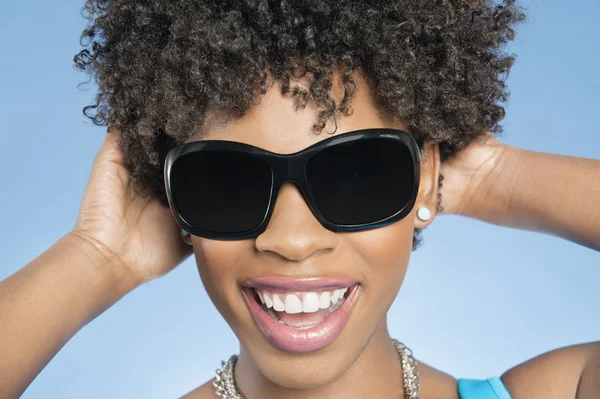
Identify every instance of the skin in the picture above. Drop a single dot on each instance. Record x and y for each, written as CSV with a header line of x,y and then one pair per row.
x,y
121,241
296,245
378,258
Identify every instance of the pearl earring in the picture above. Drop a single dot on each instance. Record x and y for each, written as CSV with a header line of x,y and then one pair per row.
x,y
424,213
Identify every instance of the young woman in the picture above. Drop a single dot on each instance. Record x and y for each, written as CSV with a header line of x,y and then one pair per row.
x,y
297,149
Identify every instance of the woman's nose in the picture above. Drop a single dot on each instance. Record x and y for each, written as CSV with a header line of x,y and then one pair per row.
x,y
293,231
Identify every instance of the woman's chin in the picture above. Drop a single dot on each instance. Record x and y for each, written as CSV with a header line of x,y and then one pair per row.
x,y
306,371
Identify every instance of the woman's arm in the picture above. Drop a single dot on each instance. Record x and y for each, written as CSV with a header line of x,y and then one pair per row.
x,y
559,195
508,186
549,193
46,302
120,240
541,192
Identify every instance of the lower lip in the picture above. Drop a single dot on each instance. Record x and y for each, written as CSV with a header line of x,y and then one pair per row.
x,y
290,339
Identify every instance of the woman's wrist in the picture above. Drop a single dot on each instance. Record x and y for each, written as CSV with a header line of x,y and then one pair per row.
x,y
105,263
495,195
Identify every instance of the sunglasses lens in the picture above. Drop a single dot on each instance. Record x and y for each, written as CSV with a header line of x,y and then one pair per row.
x,y
363,181
221,191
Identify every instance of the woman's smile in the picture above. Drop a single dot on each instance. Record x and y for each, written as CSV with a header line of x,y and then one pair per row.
x,y
300,315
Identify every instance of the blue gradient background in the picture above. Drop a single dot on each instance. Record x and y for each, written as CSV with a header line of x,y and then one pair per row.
x,y
477,300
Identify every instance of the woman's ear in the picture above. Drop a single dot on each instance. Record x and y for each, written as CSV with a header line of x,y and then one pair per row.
x,y
426,205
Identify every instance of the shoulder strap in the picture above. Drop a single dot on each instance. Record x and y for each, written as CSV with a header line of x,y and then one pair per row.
x,y
492,388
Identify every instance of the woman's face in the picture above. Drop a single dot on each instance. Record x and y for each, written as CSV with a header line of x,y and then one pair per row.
x,y
295,246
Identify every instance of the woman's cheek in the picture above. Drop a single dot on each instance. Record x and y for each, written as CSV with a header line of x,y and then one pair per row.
x,y
387,252
217,266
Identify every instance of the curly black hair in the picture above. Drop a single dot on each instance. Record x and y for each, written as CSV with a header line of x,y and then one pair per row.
x,y
162,65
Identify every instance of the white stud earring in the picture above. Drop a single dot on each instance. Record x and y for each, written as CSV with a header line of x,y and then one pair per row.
x,y
424,213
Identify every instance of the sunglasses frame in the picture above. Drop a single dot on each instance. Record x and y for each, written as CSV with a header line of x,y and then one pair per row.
x,y
292,167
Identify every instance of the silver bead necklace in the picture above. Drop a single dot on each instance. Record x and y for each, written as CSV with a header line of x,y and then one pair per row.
x,y
225,386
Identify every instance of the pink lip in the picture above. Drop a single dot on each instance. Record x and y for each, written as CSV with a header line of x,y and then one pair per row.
x,y
275,283
293,340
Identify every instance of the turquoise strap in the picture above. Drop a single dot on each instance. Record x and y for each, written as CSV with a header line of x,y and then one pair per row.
x,y
492,388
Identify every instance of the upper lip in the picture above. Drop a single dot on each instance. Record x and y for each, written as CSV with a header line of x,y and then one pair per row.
x,y
279,283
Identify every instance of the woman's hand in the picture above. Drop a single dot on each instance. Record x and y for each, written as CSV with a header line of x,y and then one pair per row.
x,y
468,175
138,236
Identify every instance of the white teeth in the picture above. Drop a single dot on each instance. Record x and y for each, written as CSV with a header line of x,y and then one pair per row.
x,y
338,294
268,301
293,304
335,296
325,300
302,302
277,304
310,302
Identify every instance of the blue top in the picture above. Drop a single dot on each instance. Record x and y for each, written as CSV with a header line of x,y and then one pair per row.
x,y
492,388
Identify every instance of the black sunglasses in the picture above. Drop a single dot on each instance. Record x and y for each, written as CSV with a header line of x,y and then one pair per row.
x,y
353,181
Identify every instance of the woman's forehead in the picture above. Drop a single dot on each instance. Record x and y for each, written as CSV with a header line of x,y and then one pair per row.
x,y
276,125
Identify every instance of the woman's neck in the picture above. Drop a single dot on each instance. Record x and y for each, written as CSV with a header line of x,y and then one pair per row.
x,y
377,372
